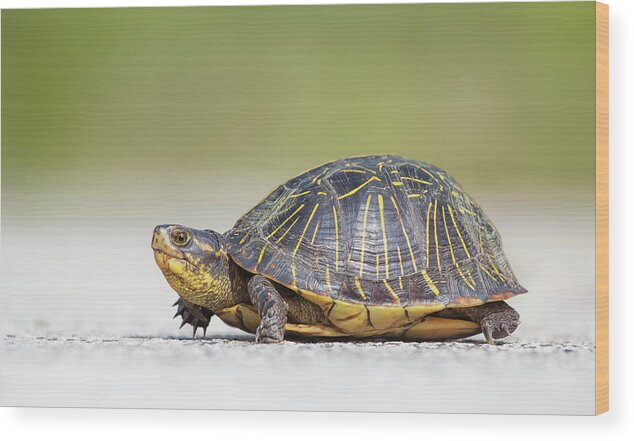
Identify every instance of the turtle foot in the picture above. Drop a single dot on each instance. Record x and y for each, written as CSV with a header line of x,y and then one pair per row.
x,y
195,315
269,336
499,324
271,328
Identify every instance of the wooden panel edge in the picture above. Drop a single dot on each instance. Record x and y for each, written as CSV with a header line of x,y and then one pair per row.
x,y
602,373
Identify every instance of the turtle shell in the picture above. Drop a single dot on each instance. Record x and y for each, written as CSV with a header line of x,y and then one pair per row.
x,y
377,241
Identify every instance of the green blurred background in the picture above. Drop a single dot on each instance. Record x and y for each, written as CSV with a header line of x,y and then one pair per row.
x,y
503,93
115,120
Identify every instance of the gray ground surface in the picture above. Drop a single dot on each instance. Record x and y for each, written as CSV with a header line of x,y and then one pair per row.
x,y
232,373
73,291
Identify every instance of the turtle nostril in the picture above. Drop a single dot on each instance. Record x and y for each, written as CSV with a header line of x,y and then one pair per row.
x,y
157,235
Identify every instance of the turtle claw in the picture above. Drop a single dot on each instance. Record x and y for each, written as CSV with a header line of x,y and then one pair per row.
x,y
487,335
204,328
195,315
505,328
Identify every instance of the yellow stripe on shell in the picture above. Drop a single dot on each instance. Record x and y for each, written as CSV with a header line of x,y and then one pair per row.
x,y
312,240
365,222
318,177
334,214
357,283
453,219
385,250
261,255
436,234
495,268
423,169
349,170
364,168
481,243
453,256
467,211
488,273
299,194
301,238
430,283
351,192
245,237
400,259
286,232
427,237
420,181
286,220
391,291
409,245
471,277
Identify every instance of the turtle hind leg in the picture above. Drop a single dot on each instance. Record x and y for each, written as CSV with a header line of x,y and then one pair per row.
x,y
497,324
195,315
496,319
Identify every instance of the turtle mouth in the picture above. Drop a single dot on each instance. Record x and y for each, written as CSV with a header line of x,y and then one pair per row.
x,y
175,264
162,258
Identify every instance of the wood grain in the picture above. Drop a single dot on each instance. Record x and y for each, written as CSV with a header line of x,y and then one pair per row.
x,y
602,208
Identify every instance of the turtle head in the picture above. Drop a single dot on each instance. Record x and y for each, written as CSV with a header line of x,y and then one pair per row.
x,y
195,264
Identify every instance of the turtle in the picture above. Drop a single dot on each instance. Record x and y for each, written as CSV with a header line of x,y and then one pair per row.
x,y
365,247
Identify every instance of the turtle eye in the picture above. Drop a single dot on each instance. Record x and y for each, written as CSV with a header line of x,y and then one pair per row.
x,y
180,238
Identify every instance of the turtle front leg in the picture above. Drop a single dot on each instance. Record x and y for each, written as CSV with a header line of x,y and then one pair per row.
x,y
195,315
271,308
496,319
